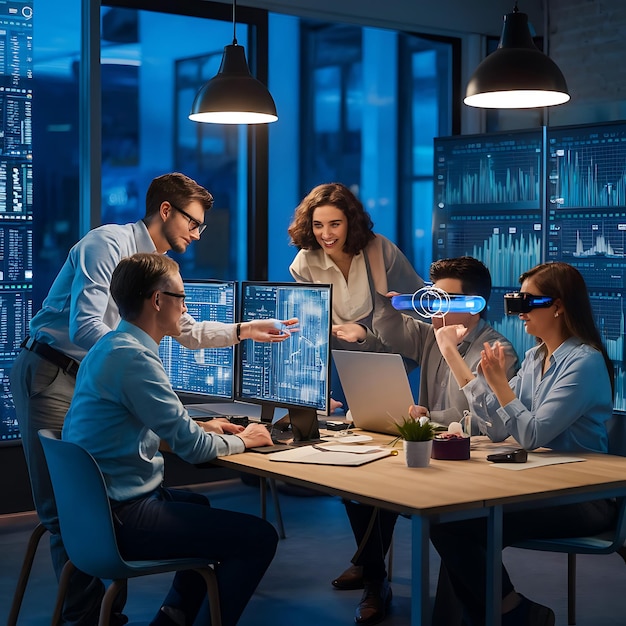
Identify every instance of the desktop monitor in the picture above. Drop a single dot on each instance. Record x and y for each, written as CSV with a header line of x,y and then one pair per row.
x,y
293,374
206,373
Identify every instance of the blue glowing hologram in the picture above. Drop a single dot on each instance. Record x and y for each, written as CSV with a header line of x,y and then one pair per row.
x,y
283,328
432,302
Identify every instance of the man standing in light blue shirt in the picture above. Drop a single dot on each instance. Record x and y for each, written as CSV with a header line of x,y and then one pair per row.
x,y
123,407
76,313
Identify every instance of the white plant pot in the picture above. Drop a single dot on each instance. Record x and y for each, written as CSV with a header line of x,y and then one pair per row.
x,y
417,453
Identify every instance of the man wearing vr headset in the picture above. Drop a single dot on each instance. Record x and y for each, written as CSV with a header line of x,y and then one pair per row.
x,y
439,397
560,399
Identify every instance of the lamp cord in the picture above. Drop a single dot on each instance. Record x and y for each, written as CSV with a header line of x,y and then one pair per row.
x,y
234,23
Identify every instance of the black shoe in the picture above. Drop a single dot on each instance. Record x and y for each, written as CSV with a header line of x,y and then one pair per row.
x,y
374,604
352,578
622,552
118,619
529,613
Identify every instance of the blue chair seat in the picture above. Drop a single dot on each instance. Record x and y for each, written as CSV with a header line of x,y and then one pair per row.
x,y
605,543
89,534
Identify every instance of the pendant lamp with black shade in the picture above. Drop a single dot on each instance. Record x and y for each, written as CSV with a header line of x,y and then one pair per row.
x,y
517,75
233,95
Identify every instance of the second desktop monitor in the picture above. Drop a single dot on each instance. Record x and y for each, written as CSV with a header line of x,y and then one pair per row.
x,y
292,374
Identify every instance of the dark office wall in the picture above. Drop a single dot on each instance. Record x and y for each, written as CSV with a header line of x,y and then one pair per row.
x,y
587,39
15,486
444,17
14,483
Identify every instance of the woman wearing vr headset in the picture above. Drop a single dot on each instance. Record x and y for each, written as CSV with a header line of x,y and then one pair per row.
x,y
560,399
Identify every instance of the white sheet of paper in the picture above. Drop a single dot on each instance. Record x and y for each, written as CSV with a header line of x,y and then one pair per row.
x,y
346,438
341,447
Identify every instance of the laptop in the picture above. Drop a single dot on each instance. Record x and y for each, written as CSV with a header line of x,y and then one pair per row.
x,y
376,387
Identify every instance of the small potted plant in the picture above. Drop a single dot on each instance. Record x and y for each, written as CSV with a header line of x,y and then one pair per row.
x,y
417,435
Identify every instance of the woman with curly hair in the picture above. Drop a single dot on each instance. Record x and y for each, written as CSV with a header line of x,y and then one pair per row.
x,y
338,246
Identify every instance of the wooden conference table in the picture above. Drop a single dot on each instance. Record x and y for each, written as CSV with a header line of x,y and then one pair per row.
x,y
445,491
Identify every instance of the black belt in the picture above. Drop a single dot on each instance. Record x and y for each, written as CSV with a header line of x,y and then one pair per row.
x,y
47,352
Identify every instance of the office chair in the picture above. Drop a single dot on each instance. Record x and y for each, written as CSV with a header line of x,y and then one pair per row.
x,y
27,565
88,532
605,543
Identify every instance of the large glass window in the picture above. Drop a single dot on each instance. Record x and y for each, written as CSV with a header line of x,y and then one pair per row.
x,y
372,100
152,66
427,113
332,117
336,122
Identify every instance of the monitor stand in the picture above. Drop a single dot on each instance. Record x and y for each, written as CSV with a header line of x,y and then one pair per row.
x,y
304,426
303,422
267,413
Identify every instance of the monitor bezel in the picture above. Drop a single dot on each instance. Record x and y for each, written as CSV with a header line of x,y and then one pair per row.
x,y
303,418
197,397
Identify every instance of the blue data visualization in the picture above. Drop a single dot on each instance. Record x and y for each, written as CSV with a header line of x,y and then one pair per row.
x,y
16,195
513,200
206,373
294,372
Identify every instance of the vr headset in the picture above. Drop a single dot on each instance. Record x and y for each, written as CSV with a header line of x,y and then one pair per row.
x,y
522,302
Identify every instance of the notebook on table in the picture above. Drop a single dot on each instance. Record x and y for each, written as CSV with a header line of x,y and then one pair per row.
x,y
333,455
376,387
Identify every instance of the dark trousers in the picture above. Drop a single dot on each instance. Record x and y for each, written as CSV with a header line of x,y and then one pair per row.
x,y
373,532
174,523
463,545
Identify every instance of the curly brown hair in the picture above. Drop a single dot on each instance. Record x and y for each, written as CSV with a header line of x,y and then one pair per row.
x,y
360,225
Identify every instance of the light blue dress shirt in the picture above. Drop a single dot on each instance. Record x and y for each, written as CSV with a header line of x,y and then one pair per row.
x,y
564,409
79,309
124,405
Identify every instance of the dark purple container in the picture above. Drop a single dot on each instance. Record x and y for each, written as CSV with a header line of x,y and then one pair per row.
x,y
451,448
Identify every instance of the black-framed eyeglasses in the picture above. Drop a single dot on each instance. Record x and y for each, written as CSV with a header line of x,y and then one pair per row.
x,y
194,224
180,296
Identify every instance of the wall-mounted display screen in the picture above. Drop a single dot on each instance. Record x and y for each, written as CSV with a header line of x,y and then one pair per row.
x,y
488,201
16,195
516,199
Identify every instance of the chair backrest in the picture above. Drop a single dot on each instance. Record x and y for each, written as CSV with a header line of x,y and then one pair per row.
x,y
616,431
83,508
620,527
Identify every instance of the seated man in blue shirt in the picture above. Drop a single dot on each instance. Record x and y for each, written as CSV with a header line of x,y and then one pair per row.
x,y
78,311
123,407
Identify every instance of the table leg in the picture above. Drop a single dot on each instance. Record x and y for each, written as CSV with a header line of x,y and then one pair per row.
x,y
493,583
420,571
